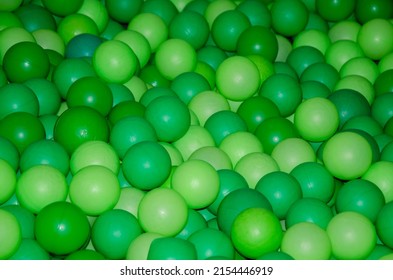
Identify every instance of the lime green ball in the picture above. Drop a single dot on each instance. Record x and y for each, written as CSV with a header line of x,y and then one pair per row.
x,y
140,246
352,235
347,155
256,231
7,181
94,152
380,174
292,152
172,248
289,17
95,189
340,52
384,225
75,24
129,199
237,78
281,189
214,156
115,62
152,27
375,38
316,119
359,84
10,234
361,66
306,241
29,249
61,228
197,182
97,12
163,211
312,38
146,165
85,254
113,232
40,186
62,8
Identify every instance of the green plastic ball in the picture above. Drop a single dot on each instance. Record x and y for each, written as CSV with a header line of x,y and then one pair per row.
x,y
364,124
166,10
61,228
302,57
312,89
62,8
35,17
146,165
315,38
324,73
211,55
347,155
381,111
122,10
368,10
94,189
172,248
214,156
362,66
256,231
257,12
129,199
10,234
7,181
188,85
97,12
342,51
352,235
380,174
379,251
306,241
9,153
281,189
113,232
195,222
140,246
163,211
384,226
85,254
289,17
29,249
25,218
333,10
75,24
359,84
120,93
16,97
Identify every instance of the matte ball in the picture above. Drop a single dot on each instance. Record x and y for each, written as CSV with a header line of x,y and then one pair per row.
x,y
8,181
63,7
146,165
62,228
82,45
10,234
332,10
380,174
29,249
256,231
16,97
122,10
367,10
289,17
171,248
384,225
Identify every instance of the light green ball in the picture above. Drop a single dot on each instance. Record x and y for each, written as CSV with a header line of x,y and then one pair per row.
x,y
10,234
7,181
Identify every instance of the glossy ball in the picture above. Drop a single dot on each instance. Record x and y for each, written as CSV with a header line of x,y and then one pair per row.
x,y
163,211
384,225
172,248
380,109
94,189
15,97
289,17
82,45
10,234
188,85
75,24
8,181
9,153
335,10
380,174
352,235
256,231
368,10
123,11
62,8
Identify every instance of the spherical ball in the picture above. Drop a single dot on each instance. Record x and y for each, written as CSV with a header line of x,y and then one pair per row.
x,y
10,234
214,156
361,66
335,10
30,249
40,186
113,232
289,17
75,24
257,12
82,45
16,97
375,38
359,84
256,231
195,222
211,55
61,228
352,235
188,85
25,218
163,211
71,129
95,189
172,248
380,109
380,174
237,78
306,241
115,62
9,153
368,10
140,246
360,196
35,17
62,8
8,181
315,38
384,225
321,72
146,165
347,155
24,61
302,57
122,10
97,12
281,189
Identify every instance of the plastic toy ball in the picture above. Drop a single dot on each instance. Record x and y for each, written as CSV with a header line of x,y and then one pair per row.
x,y
62,228
8,181
63,7
76,24
367,10
384,224
10,234
171,248
25,218
256,231
331,10
380,173
85,254
30,249
16,97
195,222
9,153
123,11
82,45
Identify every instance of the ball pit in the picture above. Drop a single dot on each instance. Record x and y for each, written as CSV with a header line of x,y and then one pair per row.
x,y
195,129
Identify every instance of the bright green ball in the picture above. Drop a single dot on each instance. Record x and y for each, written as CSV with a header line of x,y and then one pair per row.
x,y
85,254
123,10
197,182
115,62
63,7
214,156
40,186
306,241
10,234
347,155
289,17
384,225
140,246
25,218
352,235
195,222
237,78
30,249
75,24
342,51
172,248
256,231
362,66
146,165
9,153
333,10
188,85
97,12
62,228
95,189
7,181
113,232
316,119
380,173
163,211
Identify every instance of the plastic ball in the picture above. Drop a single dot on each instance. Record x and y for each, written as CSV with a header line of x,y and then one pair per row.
x,y
172,248
289,17
347,155
21,129
257,12
9,153
281,189
82,45
360,196
10,234
62,8
315,38
163,211
15,97
237,78
12,36
214,156
211,55
210,242
90,92
25,218
29,249
384,225
380,109
62,228
94,189
120,93
365,124
188,85
97,12
85,254
316,119
8,181
335,10
123,11
380,174
236,202
71,129
352,235
340,52
76,24
302,57
129,199
256,231
361,66
35,17
166,10
114,61
146,165
94,153
359,84
113,232
306,241
195,222
344,30
140,246
312,89
324,73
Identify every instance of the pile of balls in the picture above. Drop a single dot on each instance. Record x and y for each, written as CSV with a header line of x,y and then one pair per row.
x,y
206,129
